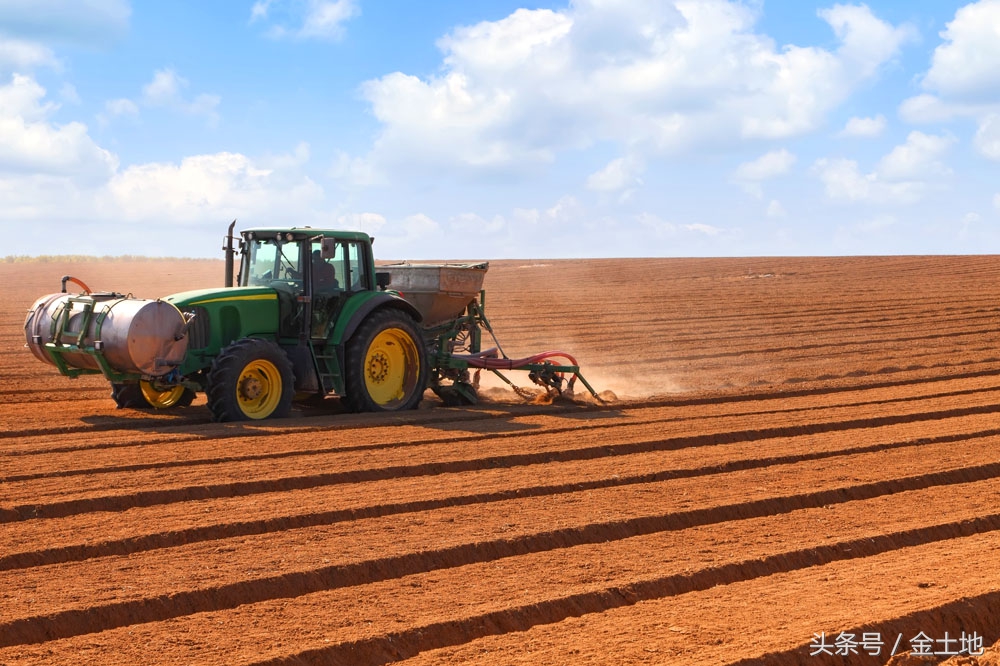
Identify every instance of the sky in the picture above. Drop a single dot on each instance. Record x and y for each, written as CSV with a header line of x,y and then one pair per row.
x,y
487,129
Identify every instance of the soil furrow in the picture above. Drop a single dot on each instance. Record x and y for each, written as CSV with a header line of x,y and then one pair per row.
x,y
286,511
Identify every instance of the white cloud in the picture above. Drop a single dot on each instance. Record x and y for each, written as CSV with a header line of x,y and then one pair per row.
x,y
166,90
31,144
121,107
665,77
864,127
964,77
86,22
902,176
326,19
866,42
260,9
918,158
706,229
312,19
987,139
207,188
619,174
22,98
775,209
996,201
844,181
967,64
663,229
19,55
769,165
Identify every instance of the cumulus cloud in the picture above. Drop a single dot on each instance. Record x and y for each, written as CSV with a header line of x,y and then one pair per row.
x,y
864,127
987,140
167,89
865,41
204,187
964,77
902,176
664,76
844,181
769,165
30,143
664,229
86,22
766,166
918,158
967,65
121,107
619,174
314,19
20,55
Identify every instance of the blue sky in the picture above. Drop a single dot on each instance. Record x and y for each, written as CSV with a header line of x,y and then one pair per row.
x,y
493,129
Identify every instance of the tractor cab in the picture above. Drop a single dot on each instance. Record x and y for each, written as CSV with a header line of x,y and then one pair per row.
x,y
314,274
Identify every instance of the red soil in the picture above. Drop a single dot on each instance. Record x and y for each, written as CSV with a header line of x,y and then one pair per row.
x,y
797,446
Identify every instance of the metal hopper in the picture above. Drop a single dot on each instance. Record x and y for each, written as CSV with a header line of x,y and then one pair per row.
x,y
440,292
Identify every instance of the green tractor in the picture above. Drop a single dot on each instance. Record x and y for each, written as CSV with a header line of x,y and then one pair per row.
x,y
308,317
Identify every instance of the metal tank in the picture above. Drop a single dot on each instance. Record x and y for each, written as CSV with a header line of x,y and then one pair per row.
x,y
440,292
132,335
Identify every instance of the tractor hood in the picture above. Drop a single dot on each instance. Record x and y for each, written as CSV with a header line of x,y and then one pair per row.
x,y
222,316
206,297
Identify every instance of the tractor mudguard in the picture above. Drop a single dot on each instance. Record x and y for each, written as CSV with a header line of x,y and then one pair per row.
x,y
357,310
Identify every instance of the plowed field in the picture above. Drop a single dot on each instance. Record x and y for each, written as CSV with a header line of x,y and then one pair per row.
x,y
790,447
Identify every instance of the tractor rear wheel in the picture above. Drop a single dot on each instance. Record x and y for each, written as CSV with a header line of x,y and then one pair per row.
x,y
386,364
250,379
145,396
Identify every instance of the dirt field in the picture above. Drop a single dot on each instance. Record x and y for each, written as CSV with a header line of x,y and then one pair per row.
x,y
797,446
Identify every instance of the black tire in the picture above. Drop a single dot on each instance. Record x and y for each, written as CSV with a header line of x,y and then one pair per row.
x,y
250,379
130,396
386,364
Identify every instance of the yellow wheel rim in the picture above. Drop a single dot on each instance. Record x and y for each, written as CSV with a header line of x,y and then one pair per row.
x,y
391,367
258,390
161,399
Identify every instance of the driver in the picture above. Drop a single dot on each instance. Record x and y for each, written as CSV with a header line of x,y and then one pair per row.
x,y
324,275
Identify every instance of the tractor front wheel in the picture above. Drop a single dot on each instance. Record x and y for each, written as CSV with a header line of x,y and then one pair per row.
x,y
386,364
145,395
250,379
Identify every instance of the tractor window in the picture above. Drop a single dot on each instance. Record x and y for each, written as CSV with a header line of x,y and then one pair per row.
x,y
260,262
348,262
357,278
327,272
269,260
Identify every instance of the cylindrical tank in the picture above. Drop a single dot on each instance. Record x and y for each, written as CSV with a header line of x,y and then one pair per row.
x,y
136,335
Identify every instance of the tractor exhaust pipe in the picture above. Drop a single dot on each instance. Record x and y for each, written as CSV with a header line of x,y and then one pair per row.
x,y
228,247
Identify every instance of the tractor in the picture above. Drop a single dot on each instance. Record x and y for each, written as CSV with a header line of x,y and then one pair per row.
x,y
308,316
